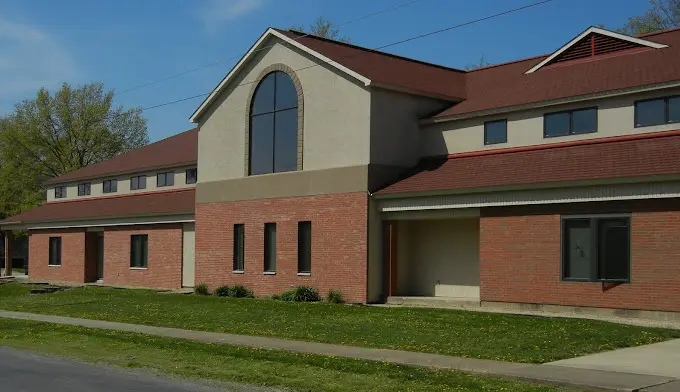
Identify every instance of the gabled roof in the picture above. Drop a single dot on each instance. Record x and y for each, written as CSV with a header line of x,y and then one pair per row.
x,y
506,87
370,67
617,157
146,204
177,150
587,42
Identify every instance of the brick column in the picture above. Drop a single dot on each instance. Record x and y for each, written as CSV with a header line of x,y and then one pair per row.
x,y
9,240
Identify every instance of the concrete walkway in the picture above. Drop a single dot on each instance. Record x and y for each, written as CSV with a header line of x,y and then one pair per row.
x,y
549,374
659,359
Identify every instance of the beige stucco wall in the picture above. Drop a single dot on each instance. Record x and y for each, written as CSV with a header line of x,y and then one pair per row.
x,y
439,258
395,132
96,185
188,254
525,128
336,116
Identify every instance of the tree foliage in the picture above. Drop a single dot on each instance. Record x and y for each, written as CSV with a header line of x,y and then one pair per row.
x,y
480,64
54,134
663,14
323,28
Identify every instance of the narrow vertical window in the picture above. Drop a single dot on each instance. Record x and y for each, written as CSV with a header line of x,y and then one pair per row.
x,y
270,247
139,250
239,244
55,251
304,247
191,176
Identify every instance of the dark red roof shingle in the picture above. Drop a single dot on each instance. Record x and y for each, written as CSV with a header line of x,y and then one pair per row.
x,y
153,203
507,85
174,151
658,155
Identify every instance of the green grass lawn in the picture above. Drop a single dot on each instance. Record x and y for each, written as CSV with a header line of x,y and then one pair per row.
x,y
453,332
189,359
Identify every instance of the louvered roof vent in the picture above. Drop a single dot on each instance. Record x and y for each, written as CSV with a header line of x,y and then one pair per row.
x,y
594,42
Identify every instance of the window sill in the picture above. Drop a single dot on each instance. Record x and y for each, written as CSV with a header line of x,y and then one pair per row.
x,y
270,272
138,268
568,134
54,265
304,274
238,272
595,280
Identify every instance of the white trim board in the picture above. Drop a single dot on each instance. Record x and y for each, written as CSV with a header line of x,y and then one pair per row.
x,y
132,221
253,49
593,193
596,30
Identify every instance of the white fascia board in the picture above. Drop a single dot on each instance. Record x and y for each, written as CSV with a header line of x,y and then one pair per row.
x,y
597,30
103,222
270,32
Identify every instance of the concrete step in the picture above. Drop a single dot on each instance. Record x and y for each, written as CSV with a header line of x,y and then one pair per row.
x,y
434,302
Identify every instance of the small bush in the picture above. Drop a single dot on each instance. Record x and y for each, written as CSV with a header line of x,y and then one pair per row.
x,y
201,289
222,291
301,294
239,291
335,297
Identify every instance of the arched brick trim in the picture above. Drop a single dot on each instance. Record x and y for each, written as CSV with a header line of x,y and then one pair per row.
x,y
298,87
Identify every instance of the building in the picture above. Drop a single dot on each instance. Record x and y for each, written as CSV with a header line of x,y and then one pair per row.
x,y
552,180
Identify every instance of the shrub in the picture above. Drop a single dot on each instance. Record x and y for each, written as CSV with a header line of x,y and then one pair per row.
x,y
301,294
239,291
335,297
201,289
222,291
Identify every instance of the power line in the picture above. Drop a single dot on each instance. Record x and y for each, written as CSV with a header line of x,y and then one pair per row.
x,y
439,31
392,8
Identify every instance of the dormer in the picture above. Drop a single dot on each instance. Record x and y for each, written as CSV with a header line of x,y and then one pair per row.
x,y
592,44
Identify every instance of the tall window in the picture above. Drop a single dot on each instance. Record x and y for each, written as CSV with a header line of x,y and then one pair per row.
x,y
165,179
596,249
110,186
239,244
274,125
304,247
55,251
191,176
571,122
137,182
139,250
270,247
657,111
59,192
84,189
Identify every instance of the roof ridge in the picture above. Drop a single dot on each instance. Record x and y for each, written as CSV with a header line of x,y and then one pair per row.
x,y
369,50
658,32
508,62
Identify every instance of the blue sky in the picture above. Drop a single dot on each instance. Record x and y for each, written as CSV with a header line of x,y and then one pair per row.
x,y
126,43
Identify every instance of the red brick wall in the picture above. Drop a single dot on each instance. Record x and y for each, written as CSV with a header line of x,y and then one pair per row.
x,y
339,243
164,267
520,257
72,267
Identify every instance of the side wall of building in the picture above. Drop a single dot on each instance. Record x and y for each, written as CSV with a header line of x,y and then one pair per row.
x,y
164,267
79,256
72,268
520,257
615,117
339,243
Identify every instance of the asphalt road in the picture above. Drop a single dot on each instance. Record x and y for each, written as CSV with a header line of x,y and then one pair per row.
x,y
22,371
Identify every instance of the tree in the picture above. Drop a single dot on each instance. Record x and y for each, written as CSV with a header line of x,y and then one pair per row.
x,y
54,134
323,28
480,64
663,14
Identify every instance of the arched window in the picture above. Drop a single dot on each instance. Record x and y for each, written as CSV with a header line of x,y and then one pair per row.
x,y
274,125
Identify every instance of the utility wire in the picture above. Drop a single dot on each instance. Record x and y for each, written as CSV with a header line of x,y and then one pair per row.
x,y
377,48
173,76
